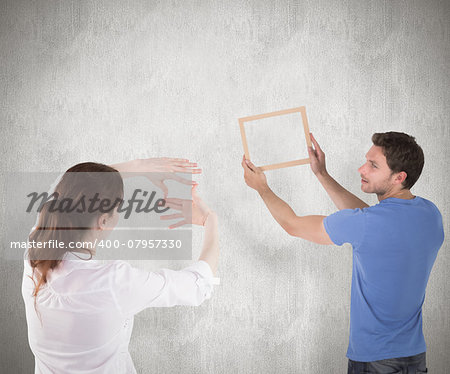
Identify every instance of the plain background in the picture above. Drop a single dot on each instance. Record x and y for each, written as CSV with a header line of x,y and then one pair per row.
x,y
109,81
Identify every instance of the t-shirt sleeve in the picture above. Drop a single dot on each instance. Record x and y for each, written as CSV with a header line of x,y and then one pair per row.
x,y
135,289
346,226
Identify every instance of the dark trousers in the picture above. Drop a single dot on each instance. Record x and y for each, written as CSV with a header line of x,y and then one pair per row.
x,y
401,365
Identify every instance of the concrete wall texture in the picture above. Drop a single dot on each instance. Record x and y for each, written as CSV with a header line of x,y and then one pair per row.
x,y
109,81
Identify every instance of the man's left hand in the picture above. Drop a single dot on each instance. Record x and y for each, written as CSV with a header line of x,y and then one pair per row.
x,y
254,176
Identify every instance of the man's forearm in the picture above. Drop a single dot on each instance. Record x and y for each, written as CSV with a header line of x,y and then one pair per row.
x,y
342,198
306,227
279,209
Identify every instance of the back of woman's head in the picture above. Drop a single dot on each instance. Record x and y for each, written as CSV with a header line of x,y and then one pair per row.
x,y
85,192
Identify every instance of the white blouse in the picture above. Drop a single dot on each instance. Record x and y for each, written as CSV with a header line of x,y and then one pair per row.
x,y
87,310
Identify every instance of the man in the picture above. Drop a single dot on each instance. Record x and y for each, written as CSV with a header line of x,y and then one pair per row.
x,y
395,244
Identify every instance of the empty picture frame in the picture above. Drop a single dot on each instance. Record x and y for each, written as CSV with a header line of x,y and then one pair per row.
x,y
302,111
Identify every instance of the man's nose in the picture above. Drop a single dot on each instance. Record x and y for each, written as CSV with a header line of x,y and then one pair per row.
x,y
360,169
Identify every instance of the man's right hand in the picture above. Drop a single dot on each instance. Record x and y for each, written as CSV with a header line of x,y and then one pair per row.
x,y
317,158
342,198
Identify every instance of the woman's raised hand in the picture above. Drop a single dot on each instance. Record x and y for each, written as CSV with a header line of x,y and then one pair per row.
x,y
157,170
193,211
166,165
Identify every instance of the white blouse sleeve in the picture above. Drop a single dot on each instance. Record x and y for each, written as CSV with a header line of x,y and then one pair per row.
x,y
135,289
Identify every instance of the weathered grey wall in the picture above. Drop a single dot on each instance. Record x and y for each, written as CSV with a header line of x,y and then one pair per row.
x,y
108,81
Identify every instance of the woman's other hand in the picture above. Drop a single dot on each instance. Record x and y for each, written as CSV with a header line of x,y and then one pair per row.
x,y
193,211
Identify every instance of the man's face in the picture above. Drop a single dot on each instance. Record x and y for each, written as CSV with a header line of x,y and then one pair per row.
x,y
375,173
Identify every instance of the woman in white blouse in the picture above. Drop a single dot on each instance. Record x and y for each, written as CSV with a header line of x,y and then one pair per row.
x,y
80,311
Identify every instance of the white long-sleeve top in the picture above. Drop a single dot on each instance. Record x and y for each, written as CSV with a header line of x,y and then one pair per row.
x,y
87,310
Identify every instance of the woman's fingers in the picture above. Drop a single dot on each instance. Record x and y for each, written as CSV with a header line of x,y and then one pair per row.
x,y
177,161
184,166
181,179
183,163
175,200
162,186
173,206
187,170
171,216
182,160
178,224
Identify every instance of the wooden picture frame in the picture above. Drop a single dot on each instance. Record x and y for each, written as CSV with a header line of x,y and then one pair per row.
x,y
302,111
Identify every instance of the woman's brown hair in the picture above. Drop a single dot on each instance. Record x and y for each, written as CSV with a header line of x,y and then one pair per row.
x,y
56,222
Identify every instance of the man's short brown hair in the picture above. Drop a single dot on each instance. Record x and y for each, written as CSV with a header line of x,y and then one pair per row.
x,y
402,154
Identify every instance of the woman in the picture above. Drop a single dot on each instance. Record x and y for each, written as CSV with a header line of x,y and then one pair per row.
x,y
80,311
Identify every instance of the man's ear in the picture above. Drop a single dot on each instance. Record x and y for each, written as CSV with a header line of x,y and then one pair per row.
x,y
400,177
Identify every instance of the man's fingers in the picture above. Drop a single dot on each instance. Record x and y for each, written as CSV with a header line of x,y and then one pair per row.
x,y
251,166
316,145
312,152
246,167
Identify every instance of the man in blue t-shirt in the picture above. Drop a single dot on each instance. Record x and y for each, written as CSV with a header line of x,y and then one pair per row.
x,y
395,244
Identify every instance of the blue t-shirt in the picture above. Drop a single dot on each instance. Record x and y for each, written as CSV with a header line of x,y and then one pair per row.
x,y
395,244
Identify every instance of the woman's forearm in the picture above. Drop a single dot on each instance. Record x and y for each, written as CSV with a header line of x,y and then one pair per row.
x,y
210,249
126,167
